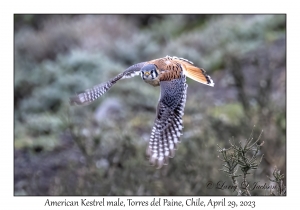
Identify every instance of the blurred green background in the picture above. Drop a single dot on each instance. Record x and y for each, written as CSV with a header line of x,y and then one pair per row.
x,y
99,149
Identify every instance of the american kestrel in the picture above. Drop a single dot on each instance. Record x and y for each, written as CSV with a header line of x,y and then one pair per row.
x,y
170,74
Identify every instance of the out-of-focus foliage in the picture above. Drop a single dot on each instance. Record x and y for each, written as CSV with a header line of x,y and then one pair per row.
x,y
99,149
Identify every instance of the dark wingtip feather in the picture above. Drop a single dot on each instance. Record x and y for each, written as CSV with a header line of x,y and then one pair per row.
x,y
74,100
78,100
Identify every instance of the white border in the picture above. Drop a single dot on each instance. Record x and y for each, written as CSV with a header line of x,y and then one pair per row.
x,y
11,7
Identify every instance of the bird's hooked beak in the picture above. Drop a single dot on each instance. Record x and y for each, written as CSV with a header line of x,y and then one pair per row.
x,y
146,75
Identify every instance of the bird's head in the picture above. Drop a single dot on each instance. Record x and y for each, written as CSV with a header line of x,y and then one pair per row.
x,y
149,72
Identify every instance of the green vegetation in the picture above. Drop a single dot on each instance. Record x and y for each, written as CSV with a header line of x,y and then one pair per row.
x,y
243,156
99,149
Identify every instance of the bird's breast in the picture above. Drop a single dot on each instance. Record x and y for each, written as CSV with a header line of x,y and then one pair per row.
x,y
153,82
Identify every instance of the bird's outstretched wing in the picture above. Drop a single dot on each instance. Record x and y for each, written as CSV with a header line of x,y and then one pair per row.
x,y
168,123
92,94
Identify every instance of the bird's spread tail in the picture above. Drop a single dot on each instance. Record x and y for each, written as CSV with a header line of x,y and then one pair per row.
x,y
198,75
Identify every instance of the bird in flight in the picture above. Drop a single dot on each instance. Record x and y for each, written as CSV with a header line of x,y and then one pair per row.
x,y
170,74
